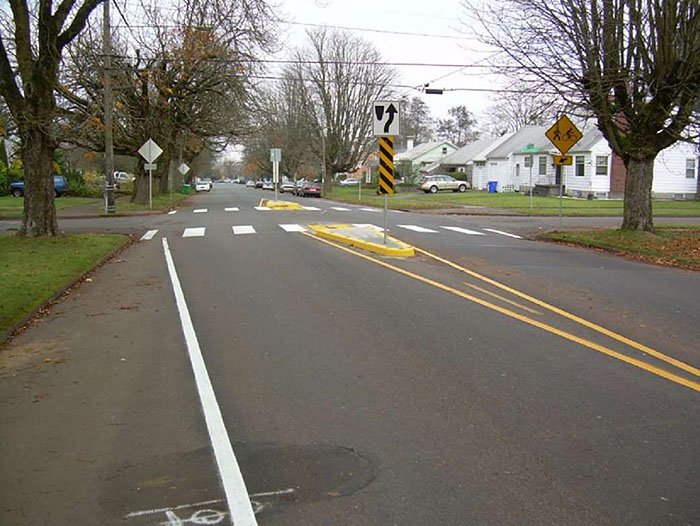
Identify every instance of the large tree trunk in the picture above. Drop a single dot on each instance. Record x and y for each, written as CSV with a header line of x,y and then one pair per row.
x,y
637,206
38,148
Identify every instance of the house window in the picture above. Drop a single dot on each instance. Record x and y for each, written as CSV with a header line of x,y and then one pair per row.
x,y
580,165
601,165
517,170
444,150
528,161
690,168
543,166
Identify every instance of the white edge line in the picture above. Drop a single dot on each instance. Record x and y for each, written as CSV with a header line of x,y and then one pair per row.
x,y
239,505
502,233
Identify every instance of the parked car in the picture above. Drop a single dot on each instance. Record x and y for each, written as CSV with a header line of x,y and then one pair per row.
x,y
350,181
287,186
433,183
258,184
250,183
310,188
297,186
203,185
268,185
60,186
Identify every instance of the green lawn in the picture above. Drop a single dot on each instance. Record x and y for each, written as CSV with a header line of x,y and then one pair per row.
x,y
160,202
13,206
34,269
542,206
666,246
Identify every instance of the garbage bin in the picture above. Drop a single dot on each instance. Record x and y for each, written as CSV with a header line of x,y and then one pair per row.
x,y
186,189
493,187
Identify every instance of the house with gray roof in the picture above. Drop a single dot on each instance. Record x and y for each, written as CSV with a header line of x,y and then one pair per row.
x,y
460,163
414,161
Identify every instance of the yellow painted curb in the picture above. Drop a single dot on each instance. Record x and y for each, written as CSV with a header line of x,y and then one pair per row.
x,y
331,232
280,205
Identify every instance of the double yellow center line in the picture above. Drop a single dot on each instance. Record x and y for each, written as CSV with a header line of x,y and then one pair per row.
x,y
692,384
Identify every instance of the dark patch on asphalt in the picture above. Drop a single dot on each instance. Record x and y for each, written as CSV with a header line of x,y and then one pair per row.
x,y
276,475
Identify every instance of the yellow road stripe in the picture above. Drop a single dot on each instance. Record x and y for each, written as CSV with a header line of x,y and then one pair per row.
x,y
511,302
639,346
568,336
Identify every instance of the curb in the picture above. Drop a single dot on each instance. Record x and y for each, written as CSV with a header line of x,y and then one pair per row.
x,y
402,250
7,336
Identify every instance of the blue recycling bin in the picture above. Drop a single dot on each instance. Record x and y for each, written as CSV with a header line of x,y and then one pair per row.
x,y
493,185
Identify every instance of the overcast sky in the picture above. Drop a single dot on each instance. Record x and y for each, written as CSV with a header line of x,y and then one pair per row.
x,y
442,18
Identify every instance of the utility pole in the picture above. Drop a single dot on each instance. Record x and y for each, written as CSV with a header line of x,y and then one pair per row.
x,y
110,205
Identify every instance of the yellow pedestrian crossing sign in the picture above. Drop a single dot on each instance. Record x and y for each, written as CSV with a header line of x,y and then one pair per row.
x,y
564,134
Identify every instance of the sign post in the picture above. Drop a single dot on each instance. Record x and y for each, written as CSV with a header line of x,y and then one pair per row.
x,y
275,157
386,124
531,149
150,151
183,169
563,134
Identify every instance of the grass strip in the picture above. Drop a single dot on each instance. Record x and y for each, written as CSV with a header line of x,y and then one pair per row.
x,y
32,270
677,247
13,206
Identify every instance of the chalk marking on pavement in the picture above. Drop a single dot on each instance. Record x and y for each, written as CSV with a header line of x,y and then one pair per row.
x,y
503,233
548,328
417,228
163,510
511,302
293,228
148,235
287,491
239,505
200,210
194,232
243,229
463,230
172,212
607,332
231,209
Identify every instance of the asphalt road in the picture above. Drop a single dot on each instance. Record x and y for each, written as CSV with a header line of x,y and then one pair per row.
x,y
355,389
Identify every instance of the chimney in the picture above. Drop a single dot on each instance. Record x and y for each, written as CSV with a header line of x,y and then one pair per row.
x,y
409,144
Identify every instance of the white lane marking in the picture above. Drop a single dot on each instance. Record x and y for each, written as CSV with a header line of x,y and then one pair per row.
x,y
502,233
368,225
194,232
293,228
313,208
201,210
243,229
340,208
231,209
370,209
463,230
239,505
172,212
148,235
263,208
417,228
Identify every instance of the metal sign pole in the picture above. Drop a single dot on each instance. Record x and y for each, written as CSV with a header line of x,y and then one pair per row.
x,y
275,176
531,160
359,188
150,189
561,193
386,204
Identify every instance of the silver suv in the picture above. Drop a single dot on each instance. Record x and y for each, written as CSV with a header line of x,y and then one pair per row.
x,y
433,183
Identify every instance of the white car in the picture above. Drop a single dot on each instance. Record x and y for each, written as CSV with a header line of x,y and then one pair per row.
x,y
434,183
203,185
351,181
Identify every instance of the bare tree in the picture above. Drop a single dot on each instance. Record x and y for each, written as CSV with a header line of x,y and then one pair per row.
x,y
459,127
29,65
633,64
416,121
512,112
341,76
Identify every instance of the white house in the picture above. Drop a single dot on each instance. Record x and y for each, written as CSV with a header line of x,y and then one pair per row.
x,y
413,161
460,163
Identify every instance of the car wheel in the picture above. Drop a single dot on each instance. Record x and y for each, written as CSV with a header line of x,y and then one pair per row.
x,y
17,192
462,188
58,194
433,189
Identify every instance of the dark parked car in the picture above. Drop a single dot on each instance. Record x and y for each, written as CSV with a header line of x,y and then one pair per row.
x,y
60,186
309,188
259,184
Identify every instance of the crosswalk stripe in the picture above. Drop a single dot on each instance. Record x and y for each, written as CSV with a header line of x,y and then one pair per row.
x,y
263,208
172,212
148,235
194,232
243,229
313,208
370,209
417,228
502,233
293,228
463,230
201,210
232,209
340,208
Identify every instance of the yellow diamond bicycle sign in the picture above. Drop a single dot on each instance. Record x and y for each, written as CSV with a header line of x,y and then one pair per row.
x,y
564,134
